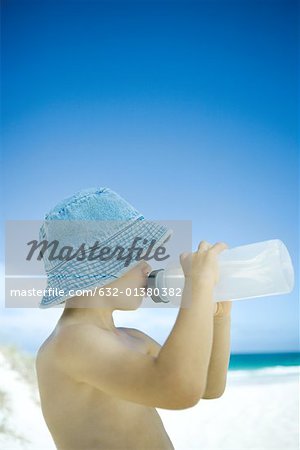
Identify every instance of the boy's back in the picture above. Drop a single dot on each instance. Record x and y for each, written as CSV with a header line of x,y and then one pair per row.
x,y
80,415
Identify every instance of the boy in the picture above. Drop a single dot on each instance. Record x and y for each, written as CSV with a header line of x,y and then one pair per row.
x,y
100,384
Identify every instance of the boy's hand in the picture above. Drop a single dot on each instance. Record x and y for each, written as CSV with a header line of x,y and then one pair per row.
x,y
202,265
223,309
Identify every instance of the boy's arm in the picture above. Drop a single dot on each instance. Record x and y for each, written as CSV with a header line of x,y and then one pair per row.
x,y
153,347
189,345
175,379
220,355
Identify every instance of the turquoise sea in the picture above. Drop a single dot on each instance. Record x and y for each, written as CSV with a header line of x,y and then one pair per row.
x,y
262,368
248,361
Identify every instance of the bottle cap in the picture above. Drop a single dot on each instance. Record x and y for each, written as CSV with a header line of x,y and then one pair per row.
x,y
152,284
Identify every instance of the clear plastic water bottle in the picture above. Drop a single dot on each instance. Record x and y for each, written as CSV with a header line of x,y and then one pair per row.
x,y
249,271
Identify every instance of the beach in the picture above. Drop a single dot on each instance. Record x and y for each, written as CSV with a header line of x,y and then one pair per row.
x,y
259,410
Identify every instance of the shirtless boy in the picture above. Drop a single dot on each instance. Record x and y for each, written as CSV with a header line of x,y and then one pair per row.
x,y
100,384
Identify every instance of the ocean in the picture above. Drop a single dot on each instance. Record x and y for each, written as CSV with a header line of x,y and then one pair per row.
x,y
248,361
264,368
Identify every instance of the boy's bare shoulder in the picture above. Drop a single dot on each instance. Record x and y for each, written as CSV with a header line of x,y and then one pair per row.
x,y
63,334
153,346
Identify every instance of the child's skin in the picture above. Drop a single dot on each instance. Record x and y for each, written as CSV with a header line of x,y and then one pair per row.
x,y
100,384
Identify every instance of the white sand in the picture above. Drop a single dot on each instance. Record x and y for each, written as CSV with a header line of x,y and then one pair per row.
x,y
255,412
21,416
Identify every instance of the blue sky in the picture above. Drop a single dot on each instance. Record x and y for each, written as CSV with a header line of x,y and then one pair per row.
x,y
188,109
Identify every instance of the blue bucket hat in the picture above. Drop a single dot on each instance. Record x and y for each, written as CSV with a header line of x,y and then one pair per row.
x,y
90,220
